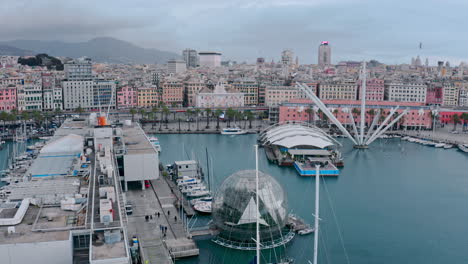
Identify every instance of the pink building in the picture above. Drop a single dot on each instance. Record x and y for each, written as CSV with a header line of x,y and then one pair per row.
x,y
434,95
296,111
375,89
8,98
127,97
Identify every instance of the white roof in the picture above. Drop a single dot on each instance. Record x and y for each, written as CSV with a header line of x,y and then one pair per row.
x,y
293,135
67,144
291,142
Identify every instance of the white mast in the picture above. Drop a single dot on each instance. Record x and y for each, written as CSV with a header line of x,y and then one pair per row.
x,y
317,185
258,212
363,102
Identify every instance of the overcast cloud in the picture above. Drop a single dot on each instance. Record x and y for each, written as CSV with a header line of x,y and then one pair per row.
x,y
242,30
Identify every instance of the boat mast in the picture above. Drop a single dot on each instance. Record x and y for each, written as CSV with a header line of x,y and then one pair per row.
x,y
317,185
257,228
208,170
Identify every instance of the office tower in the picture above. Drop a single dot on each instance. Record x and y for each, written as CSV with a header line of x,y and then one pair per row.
x,y
190,57
324,54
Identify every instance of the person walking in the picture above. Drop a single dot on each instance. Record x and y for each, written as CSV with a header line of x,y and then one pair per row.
x,y
159,214
168,213
175,218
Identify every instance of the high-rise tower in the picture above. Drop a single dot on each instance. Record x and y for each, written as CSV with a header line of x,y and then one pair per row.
x,y
324,54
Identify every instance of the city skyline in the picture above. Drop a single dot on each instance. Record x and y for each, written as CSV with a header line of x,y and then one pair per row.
x,y
245,30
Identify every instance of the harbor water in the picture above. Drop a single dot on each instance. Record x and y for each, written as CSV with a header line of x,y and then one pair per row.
x,y
396,202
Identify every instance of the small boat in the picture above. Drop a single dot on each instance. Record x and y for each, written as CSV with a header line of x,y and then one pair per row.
x,y
448,146
306,231
188,181
439,145
233,131
155,142
203,207
191,188
203,199
198,193
463,147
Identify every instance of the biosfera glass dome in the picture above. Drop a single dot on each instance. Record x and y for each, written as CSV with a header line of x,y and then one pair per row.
x,y
235,210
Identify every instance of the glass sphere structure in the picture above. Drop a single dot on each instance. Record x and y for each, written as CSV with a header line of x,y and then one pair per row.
x,y
235,209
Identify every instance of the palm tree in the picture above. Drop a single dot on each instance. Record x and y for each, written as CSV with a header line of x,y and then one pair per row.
x,y
79,110
464,118
4,116
309,112
166,112
155,111
456,120
218,113
142,112
229,115
189,114
174,105
208,114
197,113
249,116
58,113
133,111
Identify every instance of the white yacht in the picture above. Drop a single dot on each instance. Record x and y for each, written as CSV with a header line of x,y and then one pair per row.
x,y
155,142
439,145
463,147
203,207
233,131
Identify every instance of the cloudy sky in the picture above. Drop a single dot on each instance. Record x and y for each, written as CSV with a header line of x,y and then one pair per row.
x,y
387,30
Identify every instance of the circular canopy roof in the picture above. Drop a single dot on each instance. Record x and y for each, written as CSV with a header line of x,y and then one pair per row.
x,y
291,136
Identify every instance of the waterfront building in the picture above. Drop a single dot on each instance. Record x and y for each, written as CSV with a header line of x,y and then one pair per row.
x,y
446,115
276,95
104,94
209,59
11,81
7,98
338,90
296,111
324,54
80,69
32,94
148,97
77,94
52,99
190,57
249,87
434,95
405,91
450,94
127,97
287,57
192,86
176,66
463,98
219,98
375,89
172,92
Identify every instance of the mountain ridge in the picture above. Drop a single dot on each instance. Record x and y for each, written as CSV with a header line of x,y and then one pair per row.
x,y
101,49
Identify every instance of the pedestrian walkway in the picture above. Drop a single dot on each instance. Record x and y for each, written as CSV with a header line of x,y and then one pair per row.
x,y
158,248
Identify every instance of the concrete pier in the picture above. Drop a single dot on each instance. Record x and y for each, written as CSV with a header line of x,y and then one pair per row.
x,y
156,247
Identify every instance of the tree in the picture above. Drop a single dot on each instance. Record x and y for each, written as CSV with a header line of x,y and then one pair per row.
x,y
464,118
142,112
174,105
58,113
197,113
309,112
79,110
249,116
133,112
166,112
456,120
218,113
189,114
208,114
155,111
4,116
229,115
